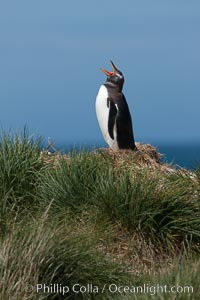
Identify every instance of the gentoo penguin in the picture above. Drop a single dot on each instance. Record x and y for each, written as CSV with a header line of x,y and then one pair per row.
x,y
113,113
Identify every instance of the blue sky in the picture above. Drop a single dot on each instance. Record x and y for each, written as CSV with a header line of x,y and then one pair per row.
x,y
50,58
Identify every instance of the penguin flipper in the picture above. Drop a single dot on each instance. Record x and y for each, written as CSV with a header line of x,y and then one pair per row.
x,y
111,117
125,138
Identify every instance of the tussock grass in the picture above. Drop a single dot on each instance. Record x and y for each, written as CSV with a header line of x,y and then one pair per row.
x,y
94,217
139,199
75,180
155,207
19,163
49,252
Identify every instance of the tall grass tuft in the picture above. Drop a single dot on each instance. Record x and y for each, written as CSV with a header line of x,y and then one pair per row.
x,y
153,205
20,163
73,182
141,200
48,252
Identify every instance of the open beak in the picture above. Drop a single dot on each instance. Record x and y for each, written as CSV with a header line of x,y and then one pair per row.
x,y
108,73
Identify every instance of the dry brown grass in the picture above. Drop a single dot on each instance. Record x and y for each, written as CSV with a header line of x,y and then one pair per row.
x,y
146,157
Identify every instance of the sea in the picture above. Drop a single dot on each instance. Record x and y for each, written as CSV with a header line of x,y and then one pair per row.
x,y
184,155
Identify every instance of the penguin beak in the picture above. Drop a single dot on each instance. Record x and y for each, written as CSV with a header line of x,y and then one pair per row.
x,y
114,69
108,73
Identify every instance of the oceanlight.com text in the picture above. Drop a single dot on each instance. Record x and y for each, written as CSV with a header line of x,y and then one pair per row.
x,y
113,289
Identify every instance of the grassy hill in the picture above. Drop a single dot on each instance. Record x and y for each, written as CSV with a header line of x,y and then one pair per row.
x,y
121,225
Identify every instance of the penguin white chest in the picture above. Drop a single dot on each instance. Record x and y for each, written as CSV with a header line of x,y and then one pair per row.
x,y
102,111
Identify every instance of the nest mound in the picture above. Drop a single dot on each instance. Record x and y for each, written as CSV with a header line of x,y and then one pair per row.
x,y
149,153
145,156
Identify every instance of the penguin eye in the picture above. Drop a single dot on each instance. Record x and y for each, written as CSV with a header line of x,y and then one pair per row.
x,y
119,75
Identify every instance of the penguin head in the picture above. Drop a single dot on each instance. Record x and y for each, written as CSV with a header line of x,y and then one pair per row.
x,y
115,77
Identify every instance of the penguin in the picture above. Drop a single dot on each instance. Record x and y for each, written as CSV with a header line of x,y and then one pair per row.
x,y
113,113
